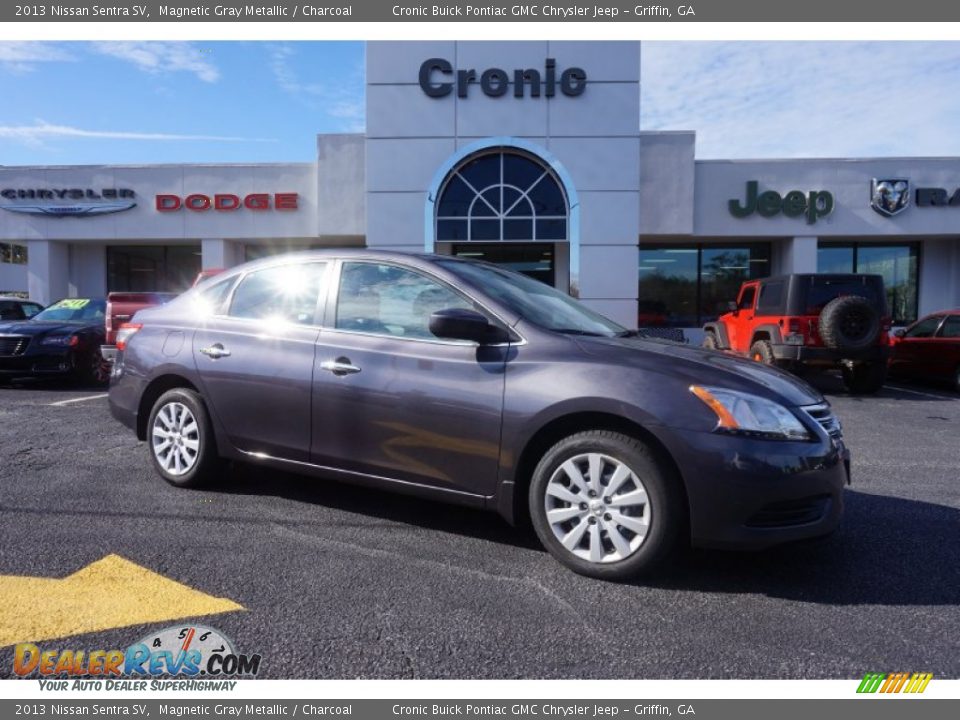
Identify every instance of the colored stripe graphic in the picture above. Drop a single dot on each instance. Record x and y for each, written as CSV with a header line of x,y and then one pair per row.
x,y
894,682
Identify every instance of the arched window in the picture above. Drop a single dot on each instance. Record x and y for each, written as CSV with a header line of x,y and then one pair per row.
x,y
502,195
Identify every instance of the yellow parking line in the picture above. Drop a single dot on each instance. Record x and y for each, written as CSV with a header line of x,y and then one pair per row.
x,y
109,593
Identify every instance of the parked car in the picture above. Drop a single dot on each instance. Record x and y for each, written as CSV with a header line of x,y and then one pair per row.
x,y
462,381
121,307
64,339
817,320
929,349
13,308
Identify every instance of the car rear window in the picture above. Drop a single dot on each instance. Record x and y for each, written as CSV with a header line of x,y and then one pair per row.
x,y
823,290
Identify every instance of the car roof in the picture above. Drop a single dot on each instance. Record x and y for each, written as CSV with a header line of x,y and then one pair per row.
x,y
9,298
827,276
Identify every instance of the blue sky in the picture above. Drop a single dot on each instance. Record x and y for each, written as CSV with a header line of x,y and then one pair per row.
x,y
146,102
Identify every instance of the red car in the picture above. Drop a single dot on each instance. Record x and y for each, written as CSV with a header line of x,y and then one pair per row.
x,y
929,349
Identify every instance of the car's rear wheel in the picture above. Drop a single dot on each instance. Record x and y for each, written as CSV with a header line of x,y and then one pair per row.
x,y
956,379
605,505
181,440
864,378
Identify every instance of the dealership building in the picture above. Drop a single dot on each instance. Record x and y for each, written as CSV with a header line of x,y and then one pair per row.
x,y
527,154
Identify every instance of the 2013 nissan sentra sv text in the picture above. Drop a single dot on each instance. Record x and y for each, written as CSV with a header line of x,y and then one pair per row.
x,y
462,381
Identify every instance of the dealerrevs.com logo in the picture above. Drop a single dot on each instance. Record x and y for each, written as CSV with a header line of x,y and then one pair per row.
x,y
902,682
191,651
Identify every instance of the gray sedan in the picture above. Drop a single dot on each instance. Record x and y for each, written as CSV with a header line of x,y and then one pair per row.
x,y
465,382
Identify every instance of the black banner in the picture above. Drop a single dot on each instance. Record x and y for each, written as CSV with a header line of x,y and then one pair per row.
x,y
390,10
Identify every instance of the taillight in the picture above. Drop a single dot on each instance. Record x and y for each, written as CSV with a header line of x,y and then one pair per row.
x,y
126,331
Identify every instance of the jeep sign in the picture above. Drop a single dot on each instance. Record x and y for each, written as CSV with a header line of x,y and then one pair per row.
x,y
812,205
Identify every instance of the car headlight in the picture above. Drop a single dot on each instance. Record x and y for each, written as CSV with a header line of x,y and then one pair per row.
x,y
60,340
744,414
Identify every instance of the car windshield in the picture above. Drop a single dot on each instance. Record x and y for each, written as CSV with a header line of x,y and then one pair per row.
x,y
535,302
73,310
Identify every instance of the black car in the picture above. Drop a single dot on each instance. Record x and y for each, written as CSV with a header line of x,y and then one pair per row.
x,y
64,339
14,308
465,382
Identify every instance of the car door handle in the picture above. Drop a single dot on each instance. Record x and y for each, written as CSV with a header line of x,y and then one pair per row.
x,y
339,367
215,351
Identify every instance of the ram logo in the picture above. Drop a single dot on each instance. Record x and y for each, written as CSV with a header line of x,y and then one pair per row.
x,y
889,196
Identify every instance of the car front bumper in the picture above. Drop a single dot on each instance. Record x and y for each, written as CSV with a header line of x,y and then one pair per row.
x,y
745,493
38,361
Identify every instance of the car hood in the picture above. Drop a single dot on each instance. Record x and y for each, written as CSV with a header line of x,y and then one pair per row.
x,y
704,367
37,328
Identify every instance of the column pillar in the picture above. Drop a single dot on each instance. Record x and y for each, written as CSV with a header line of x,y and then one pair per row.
x,y
47,270
799,255
219,253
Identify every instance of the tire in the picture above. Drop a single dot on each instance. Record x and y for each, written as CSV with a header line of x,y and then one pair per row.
x,y
956,379
647,503
710,341
849,323
195,460
864,379
91,369
762,351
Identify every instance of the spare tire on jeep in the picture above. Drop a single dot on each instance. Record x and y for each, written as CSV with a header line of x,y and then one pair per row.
x,y
849,322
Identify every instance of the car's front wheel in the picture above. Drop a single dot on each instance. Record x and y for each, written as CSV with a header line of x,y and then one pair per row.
x,y
181,440
605,505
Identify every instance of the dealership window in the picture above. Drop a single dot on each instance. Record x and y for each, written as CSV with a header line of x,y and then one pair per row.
x,y
501,196
896,263
13,253
536,261
688,285
145,268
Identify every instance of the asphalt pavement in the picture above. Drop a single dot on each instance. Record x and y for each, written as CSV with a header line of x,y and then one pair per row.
x,y
343,582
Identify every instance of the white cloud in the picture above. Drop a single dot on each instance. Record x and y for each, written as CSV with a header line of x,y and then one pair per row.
x,y
342,100
21,57
42,130
805,99
156,57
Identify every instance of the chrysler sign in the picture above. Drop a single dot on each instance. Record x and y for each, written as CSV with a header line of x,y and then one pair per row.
x,y
65,202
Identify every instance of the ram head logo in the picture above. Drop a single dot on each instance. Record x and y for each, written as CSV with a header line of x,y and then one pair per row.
x,y
889,196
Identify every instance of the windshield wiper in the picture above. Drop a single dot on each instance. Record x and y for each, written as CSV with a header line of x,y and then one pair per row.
x,y
577,331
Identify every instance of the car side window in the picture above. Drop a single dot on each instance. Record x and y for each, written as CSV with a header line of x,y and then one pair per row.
x,y
30,309
10,311
281,293
746,298
951,327
925,328
215,296
389,300
771,296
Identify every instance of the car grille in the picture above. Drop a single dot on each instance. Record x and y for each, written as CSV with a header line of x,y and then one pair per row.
x,y
823,414
792,512
11,345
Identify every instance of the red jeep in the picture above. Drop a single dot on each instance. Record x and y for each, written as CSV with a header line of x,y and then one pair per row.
x,y
793,321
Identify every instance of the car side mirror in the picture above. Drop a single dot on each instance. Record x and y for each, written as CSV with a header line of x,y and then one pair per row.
x,y
900,333
460,324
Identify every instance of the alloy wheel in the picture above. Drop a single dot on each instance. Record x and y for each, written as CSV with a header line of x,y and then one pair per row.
x,y
176,438
597,508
